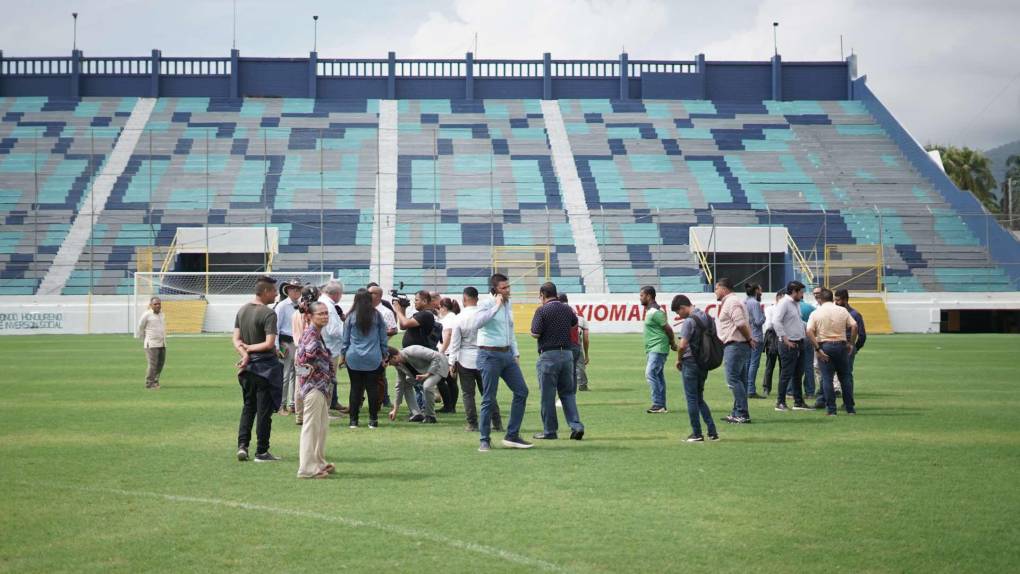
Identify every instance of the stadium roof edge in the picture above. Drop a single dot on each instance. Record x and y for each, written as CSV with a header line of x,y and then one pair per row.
x,y
234,76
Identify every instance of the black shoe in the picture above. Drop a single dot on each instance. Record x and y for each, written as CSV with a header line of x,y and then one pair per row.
x,y
781,408
471,427
737,420
429,420
543,436
801,407
582,387
416,418
354,424
266,457
577,434
483,446
655,410
516,442
713,437
695,438
242,453
445,410
373,424
755,396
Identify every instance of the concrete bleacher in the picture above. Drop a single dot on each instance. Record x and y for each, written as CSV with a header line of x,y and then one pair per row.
x,y
472,176
826,171
50,151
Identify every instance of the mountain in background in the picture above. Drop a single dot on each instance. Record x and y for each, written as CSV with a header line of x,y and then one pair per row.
x,y
998,158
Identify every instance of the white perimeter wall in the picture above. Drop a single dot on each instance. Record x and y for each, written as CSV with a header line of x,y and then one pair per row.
x,y
908,312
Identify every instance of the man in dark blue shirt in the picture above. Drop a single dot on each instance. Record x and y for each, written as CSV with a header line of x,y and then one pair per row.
x,y
551,325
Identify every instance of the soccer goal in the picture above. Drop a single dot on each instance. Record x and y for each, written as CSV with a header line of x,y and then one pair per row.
x,y
186,297
527,267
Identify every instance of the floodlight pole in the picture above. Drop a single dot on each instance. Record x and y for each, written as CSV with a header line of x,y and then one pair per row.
x,y
775,45
74,37
315,33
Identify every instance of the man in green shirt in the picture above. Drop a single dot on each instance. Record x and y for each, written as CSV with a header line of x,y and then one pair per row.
x,y
658,341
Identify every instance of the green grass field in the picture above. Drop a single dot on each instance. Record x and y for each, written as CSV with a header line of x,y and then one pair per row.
x,y
100,475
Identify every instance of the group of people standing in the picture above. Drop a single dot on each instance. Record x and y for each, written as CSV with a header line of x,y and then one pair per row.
x,y
292,348
802,338
290,354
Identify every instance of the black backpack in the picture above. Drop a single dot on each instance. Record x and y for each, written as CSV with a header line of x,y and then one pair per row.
x,y
706,346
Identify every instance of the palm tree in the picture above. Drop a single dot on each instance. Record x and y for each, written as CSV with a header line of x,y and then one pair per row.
x,y
970,170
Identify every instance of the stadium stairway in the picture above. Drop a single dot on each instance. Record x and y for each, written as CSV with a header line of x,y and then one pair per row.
x,y
589,257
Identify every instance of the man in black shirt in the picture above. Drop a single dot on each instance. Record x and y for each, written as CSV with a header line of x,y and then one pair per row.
x,y
551,325
418,328
260,370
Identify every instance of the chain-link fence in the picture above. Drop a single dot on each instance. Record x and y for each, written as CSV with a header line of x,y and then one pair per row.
x,y
348,199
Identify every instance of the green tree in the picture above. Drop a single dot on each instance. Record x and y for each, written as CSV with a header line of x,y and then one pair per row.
x,y
970,170
1012,174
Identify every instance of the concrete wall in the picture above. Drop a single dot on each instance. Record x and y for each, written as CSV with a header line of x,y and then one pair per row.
x,y
908,312
233,76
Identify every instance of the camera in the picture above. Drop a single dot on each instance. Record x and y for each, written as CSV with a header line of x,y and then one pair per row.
x,y
399,297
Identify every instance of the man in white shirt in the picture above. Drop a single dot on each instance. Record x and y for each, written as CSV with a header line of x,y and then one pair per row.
x,y
333,333
463,353
285,309
152,326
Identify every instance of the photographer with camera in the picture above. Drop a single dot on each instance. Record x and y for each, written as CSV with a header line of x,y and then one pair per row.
x,y
418,328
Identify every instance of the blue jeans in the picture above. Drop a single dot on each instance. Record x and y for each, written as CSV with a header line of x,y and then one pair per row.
x,y
495,365
752,368
791,370
735,357
838,363
656,378
809,370
556,377
694,389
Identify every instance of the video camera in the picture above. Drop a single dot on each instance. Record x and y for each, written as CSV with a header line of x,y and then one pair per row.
x,y
399,297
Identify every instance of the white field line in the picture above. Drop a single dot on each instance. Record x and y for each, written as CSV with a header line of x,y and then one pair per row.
x,y
408,532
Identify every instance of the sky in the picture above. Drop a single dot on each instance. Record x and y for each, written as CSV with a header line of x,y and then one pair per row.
x,y
949,70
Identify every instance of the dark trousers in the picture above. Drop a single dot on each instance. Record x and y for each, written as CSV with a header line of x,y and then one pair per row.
x,y
771,358
838,363
257,410
694,390
364,382
448,390
791,371
470,383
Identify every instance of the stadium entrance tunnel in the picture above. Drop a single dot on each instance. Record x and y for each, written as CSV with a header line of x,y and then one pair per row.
x,y
980,321
212,249
751,254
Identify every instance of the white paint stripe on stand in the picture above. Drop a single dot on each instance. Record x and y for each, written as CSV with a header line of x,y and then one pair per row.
x,y
384,236
589,257
73,245
412,533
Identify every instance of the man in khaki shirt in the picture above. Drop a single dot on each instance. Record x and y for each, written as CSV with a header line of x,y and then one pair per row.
x,y
152,327
826,330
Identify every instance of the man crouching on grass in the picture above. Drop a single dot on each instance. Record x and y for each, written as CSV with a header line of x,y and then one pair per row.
x,y
260,372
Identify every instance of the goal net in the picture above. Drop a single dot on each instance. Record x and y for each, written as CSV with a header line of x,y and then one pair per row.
x,y
527,267
186,297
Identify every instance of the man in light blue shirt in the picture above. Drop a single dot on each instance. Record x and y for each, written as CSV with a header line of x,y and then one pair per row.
x,y
498,358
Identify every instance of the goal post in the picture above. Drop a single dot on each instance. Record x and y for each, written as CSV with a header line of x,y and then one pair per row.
x,y
527,267
186,296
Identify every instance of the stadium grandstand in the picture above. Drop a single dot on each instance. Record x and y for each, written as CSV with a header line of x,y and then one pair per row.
x,y
601,175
